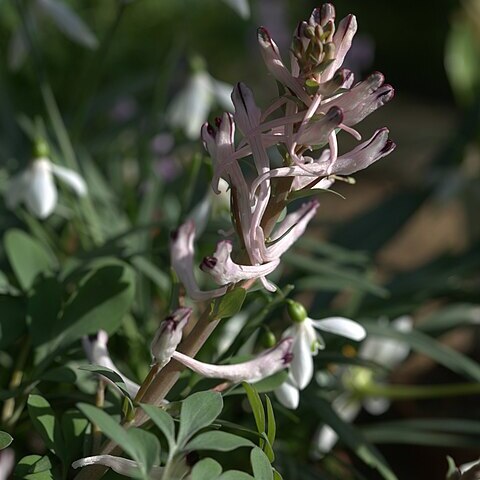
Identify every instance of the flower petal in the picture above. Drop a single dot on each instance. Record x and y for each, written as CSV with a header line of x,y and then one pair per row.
x,y
388,352
41,194
71,178
275,65
376,405
96,350
341,326
347,409
120,465
301,368
189,109
169,335
343,41
225,271
365,154
181,253
288,234
262,366
288,394
363,99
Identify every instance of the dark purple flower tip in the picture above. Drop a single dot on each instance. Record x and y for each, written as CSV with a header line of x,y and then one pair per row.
x,y
287,358
170,323
208,263
210,130
376,79
389,147
316,15
262,33
93,337
334,115
388,93
218,122
174,235
301,28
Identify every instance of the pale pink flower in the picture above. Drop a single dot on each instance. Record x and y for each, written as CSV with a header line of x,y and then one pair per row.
x,y
169,335
96,350
262,366
181,256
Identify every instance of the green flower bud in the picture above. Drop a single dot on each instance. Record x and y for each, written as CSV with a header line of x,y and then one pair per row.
x,y
268,339
296,311
40,149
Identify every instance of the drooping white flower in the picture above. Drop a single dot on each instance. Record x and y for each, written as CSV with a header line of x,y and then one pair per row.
x,y
387,352
307,342
96,350
35,186
190,107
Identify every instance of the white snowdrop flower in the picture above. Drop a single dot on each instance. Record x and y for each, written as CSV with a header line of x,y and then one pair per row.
x,y
190,108
307,342
35,186
387,352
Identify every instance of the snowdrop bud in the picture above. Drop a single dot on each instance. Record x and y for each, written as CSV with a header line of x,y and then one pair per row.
x,y
41,149
268,339
169,335
296,311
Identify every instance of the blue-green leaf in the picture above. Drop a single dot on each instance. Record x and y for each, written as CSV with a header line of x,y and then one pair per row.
x,y
27,256
198,411
206,469
5,440
262,470
219,441
163,421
